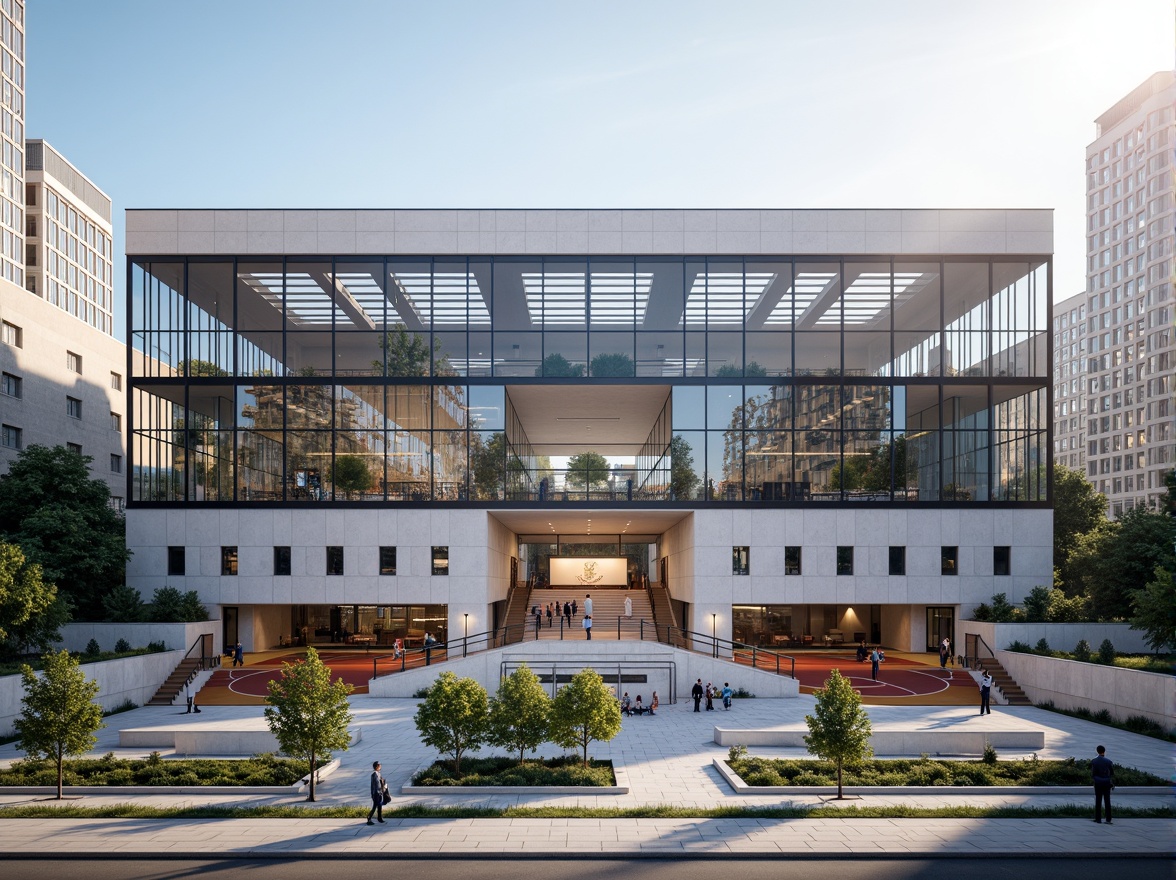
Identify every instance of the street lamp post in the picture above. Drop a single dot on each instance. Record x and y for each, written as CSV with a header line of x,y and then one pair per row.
x,y
465,642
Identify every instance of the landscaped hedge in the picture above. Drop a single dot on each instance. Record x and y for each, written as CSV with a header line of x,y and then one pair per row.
x,y
153,770
924,771
567,770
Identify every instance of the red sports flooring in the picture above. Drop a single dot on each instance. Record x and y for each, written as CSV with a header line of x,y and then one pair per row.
x,y
902,679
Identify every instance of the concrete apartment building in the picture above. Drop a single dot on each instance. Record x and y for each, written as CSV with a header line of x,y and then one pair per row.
x,y
61,368
821,425
1069,342
1130,350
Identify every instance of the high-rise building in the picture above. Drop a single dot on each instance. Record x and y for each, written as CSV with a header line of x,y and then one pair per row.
x,y
61,368
1130,355
806,426
1069,400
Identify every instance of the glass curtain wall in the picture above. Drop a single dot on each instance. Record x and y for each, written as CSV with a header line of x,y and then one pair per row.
x,y
379,379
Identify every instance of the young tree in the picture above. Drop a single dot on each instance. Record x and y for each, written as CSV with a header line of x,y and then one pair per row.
x,y
587,469
308,713
840,729
605,364
556,365
123,604
31,612
519,713
1078,510
351,474
684,480
584,711
1155,610
453,718
59,716
62,520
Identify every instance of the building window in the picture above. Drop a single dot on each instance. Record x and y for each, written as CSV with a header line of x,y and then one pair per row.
x,y
228,560
334,560
440,560
175,561
791,560
116,422
845,560
281,561
1000,561
75,448
31,255
947,560
116,381
73,407
387,560
73,362
898,560
11,385
10,437
12,335
116,463
740,560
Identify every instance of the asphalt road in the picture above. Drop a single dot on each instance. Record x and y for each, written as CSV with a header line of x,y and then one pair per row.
x,y
591,869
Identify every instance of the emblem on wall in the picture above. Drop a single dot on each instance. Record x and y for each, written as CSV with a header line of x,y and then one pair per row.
x,y
589,576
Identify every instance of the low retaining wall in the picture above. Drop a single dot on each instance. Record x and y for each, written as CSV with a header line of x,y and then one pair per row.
x,y
1070,684
131,678
897,742
1060,636
75,636
241,737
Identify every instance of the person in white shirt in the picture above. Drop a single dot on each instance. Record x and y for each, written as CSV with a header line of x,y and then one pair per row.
x,y
628,607
587,603
985,693
587,624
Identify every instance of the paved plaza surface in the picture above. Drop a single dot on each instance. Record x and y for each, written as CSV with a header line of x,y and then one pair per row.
x,y
667,759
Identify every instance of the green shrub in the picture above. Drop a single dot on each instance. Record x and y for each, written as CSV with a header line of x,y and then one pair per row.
x,y
122,646
1082,651
1143,724
566,770
1037,604
982,612
153,770
156,647
1042,647
989,753
742,693
736,753
93,649
1106,653
1019,647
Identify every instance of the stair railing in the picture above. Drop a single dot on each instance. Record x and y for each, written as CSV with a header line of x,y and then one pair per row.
x,y
976,650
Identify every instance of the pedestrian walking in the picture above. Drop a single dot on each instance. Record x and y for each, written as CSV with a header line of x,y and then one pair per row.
x,y
588,603
696,692
875,659
944,652
538,617
727,694
379,789
567,610
550,615
575,608
587,624
985,692
430,643
1103,773
238,655
710,697
628,607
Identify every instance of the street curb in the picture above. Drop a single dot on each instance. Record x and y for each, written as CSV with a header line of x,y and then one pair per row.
x,y
622,787
572,855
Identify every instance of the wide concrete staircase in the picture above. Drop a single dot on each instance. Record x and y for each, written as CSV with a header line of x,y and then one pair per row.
x,y
607,606
1004,682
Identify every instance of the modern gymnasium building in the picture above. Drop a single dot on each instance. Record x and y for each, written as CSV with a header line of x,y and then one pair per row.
x,y
809,426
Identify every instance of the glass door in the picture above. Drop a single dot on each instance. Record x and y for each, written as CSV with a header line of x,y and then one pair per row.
x,y
940,626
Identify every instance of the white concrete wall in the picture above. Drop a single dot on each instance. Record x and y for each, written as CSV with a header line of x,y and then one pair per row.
x,y
634,231
269,624
131,678
177,636
1060,636
1073,685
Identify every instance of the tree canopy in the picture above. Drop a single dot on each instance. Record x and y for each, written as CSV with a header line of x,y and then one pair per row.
x,y
454,716
1078,511
684,480
611,365
1155,610
58,714
839,730
1120,557
31,612
62,520
584,711
308,713
555,365
588,469
519,713
351,474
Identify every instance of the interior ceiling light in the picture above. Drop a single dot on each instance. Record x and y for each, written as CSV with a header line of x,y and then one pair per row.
x,y
804,290
868,296
724,297
305,302
617,298
444,298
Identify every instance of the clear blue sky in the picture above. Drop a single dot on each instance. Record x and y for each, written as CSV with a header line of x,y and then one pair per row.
x,y
375,103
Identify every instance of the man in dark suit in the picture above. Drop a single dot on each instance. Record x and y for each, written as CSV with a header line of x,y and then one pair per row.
x,y
379,786
697,692
1103,772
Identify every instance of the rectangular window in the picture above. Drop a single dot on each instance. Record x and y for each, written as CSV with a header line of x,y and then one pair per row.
x,y
11,385
740,560
73,407
228,560
75,448
1000,561
116,464
387,560
10,437
440,560
281,561
175,561
116,422
845,560
947,560
334,560
73,362
898,560
12,335
116,381
791,560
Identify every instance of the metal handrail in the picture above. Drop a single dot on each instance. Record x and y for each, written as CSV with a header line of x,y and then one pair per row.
x,y
973,642
713,645
208,659
540,668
